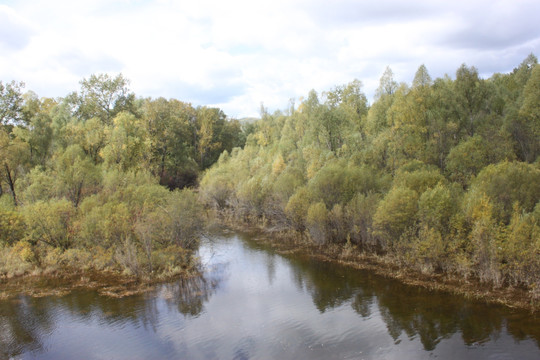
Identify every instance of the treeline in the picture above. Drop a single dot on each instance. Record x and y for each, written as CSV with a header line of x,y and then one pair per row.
x,y
93,180
441,175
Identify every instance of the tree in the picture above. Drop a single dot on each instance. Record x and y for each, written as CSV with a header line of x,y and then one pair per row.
x,y
11,103
472,95
422,78
317,223
51,222
183,219
77,175
387,84
377,115
529,126
171,132
126,147
210,124
395,214
14,155
103,96
467,159
506,185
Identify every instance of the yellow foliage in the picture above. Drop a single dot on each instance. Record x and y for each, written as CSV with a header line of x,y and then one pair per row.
x,y
279,165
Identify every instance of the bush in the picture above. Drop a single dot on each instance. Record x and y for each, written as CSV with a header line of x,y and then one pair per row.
x,y
436,207
395,214
297,208
16,260
316,222
184,218
50,222
505,184
361,210
12,227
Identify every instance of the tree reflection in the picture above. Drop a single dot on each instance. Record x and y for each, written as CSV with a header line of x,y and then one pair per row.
x,y
21,327
429,315
190,294
26,322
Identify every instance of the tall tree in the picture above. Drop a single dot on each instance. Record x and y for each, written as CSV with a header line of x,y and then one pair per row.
x,y
529,113
11,103
14,156
104,97
472,95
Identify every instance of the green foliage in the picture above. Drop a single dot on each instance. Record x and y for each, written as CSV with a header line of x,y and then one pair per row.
x,y
11,102
103,96
317,223
507,184
473,154
395,214
337,183
127,146
436,207
360,211
12,227
81,178
521,248
442,175
529,114
418,180
184,219
297,208
434,175
50,222
16,260
467,159
76,175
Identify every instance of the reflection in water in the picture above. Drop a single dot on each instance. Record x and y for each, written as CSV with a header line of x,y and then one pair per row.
x,y
430,315
21,326
189,295
253,303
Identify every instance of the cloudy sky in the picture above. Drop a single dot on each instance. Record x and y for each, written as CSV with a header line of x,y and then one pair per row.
x,y
237,54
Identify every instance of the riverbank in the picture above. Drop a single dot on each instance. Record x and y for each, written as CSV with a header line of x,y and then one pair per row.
x,y
29,271
285,242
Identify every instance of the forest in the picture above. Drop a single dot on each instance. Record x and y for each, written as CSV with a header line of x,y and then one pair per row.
x,y
439,176
102,180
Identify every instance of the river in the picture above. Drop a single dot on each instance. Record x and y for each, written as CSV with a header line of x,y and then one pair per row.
x,y
252,303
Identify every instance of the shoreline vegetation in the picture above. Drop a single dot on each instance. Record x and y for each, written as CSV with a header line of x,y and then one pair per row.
x,y
439,180
101,181
287,243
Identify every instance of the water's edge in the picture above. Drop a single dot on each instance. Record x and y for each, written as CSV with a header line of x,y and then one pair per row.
x,y
286,242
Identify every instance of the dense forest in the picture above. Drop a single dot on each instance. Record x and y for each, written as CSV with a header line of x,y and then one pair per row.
x,y
99,179
441,176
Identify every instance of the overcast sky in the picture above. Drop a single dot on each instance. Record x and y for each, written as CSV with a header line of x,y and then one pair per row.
x,y
237,54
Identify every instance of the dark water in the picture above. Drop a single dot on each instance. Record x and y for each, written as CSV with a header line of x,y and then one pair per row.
x,y
254,304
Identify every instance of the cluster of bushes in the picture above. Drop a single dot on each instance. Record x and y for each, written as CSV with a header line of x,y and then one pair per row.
x,y
440,176
90,181
132,225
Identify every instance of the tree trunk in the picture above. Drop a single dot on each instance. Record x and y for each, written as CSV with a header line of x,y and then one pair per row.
x,y
11,184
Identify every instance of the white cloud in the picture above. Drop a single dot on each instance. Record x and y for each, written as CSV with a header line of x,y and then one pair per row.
x,y
236,54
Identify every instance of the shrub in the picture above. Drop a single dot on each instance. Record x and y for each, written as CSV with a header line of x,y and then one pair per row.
x,y
50,222
12,227
395,214
316,222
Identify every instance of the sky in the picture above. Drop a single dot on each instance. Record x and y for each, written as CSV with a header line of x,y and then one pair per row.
x,y
239,54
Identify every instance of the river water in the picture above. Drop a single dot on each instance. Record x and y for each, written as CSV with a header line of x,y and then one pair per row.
x,y
255,304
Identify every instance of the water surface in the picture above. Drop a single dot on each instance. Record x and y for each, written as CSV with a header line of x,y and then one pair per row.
x,y
254,304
